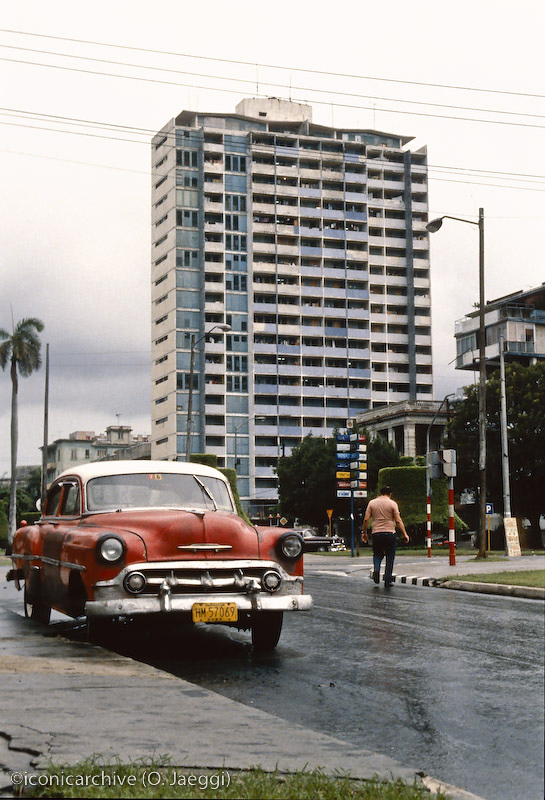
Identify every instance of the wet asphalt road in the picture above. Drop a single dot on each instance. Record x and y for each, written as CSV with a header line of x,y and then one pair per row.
x,y
449,682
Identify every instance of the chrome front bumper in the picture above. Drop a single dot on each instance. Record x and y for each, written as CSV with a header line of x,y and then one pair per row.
x,y
179,603
174,587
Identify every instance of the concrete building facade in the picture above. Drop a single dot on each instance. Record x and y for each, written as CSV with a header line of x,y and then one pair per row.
x,y
310,243
518,318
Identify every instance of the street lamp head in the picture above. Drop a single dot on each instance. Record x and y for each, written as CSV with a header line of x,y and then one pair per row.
x,y
434,225
222,326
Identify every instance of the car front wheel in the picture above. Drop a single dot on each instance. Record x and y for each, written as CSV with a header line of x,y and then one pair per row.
x,y
35,608
266,630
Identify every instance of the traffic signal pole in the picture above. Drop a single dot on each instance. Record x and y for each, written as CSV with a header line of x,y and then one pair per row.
x,y
451,543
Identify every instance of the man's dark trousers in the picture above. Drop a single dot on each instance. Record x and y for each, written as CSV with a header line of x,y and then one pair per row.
x,y
384,546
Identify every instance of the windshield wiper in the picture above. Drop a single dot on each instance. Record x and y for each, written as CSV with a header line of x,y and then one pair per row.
x,y
206,491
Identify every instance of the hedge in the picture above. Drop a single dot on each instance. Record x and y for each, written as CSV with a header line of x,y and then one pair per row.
x,y
409,491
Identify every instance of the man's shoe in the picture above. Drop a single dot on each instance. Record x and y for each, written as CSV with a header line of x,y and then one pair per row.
x,y
388,585
376,576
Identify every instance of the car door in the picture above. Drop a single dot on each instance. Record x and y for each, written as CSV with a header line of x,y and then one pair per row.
x,y
65,511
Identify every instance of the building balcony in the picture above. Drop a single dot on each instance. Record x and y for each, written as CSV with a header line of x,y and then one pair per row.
x,y
355,177
288,249
213,166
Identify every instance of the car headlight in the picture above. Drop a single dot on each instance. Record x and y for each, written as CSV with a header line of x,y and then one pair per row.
x,y
291,546
110,549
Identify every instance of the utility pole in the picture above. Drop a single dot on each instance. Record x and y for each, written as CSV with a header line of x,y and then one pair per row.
x,y
482,394
43,486
504,439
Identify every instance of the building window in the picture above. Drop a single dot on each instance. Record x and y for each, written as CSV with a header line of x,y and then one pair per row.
x,y
236,262
187,219
237,383
235,242
235,202
236,283
235,163
187,158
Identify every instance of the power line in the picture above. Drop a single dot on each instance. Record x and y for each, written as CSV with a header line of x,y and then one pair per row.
x,y
237,91
512,176
276,85
277,66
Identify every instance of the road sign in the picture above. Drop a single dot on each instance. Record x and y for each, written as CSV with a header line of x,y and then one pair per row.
x,y
489,507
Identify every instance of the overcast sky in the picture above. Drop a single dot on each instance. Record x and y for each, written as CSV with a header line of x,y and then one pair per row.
x,y
75,211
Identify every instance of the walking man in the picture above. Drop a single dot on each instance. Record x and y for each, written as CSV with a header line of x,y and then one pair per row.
x,y
385,514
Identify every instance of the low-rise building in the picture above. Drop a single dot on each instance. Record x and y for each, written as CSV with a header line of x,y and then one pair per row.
x,y
518,318
83,446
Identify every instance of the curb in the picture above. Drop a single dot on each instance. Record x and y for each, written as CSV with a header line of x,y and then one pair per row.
x,y
411,580
503,589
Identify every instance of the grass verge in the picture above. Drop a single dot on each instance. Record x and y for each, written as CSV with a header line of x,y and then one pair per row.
x,y
530,577
98,778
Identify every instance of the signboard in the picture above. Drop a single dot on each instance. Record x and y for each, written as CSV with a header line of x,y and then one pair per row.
x,y
329,512
489,508
351,455
512,540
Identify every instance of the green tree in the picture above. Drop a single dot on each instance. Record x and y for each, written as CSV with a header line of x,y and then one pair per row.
x,y
525,393
21,350
33,484
306,480
380,453
307,485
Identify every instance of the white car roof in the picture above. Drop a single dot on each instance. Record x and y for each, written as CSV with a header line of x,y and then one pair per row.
x,y
100,469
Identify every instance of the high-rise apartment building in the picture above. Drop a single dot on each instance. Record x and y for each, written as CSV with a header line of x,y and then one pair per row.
x,y
310,243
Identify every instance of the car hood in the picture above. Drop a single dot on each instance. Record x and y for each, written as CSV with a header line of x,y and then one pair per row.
x,y
179,534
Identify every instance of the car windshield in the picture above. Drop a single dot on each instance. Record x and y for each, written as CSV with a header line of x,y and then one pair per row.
x,y
164,490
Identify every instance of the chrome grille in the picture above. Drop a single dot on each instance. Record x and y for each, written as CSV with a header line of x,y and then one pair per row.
x,y
199,581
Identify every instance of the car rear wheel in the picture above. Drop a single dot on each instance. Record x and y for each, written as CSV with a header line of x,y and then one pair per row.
x,y
35,608
266,630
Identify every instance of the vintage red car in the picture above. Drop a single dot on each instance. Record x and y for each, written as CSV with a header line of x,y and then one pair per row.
x,y
142,540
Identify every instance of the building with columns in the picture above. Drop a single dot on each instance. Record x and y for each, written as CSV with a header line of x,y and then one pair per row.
x,y
405,425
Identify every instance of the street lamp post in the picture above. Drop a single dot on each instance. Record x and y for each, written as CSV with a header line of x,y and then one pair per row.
x,y
194,342
432,227
236,429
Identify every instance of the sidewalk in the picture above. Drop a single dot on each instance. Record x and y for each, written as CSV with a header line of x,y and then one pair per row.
x,y
423,571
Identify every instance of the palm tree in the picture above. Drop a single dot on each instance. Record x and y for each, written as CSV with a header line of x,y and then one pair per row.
x,y
21,349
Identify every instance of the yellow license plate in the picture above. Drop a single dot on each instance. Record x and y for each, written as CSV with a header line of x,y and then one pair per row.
x,y
214,612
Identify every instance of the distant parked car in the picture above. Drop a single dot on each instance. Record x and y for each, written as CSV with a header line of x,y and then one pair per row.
x,y
315,542
156,539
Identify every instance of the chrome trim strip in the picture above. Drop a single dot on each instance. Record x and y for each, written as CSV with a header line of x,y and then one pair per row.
x,y
46,560
216,548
